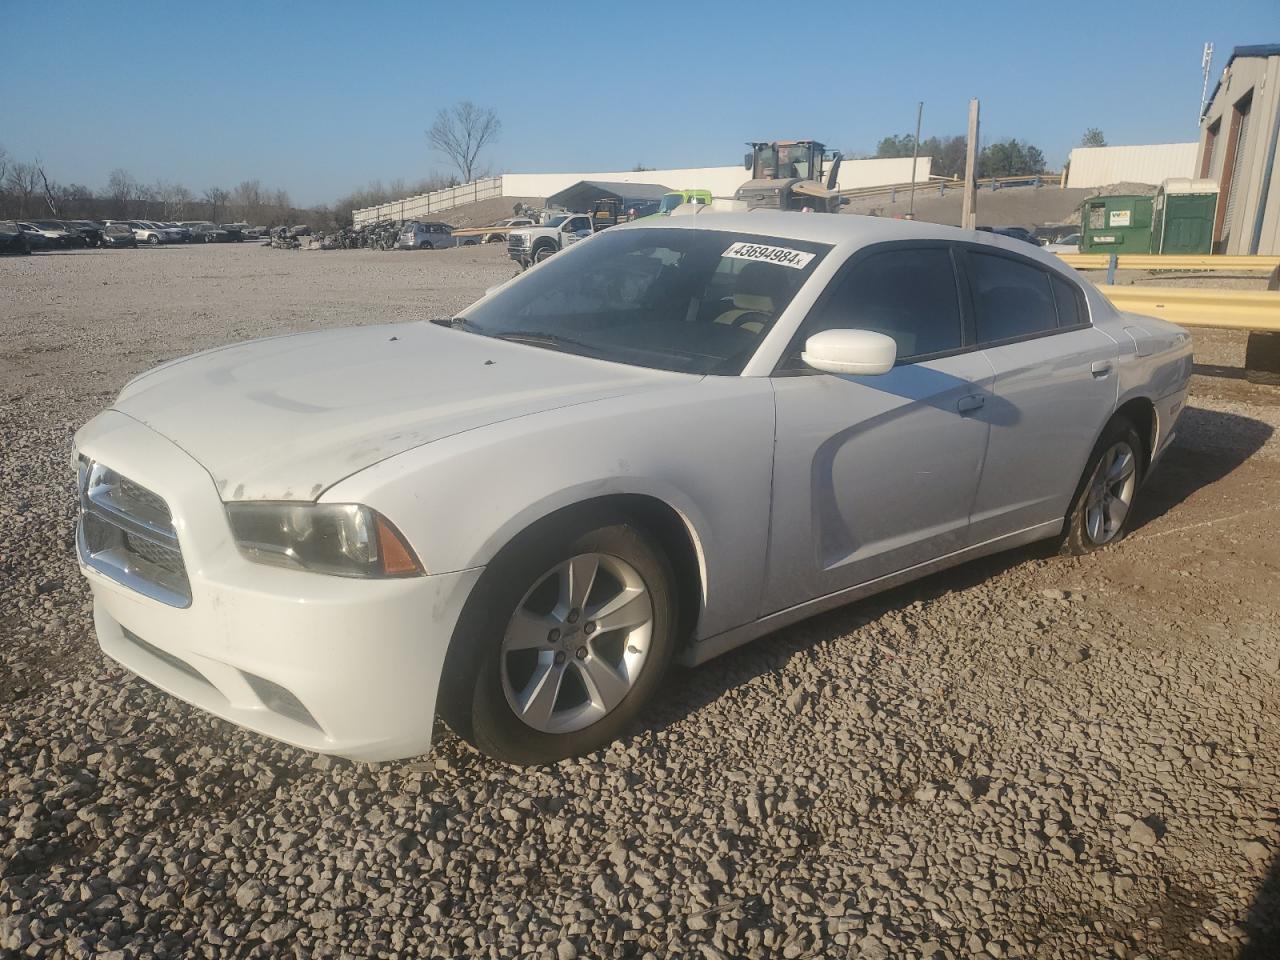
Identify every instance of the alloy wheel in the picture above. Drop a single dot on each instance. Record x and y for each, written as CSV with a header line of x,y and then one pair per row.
x,y
1110,493
577,643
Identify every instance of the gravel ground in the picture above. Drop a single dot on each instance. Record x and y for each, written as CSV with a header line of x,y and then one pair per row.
x,y
1027,756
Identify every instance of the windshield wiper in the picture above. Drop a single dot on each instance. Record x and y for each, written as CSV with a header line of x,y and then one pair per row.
x,y
454,323
542,338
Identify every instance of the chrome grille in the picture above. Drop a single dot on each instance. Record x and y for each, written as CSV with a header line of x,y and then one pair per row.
x,y
126,533
517,244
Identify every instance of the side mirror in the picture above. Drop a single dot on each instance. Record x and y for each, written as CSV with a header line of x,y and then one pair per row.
x,y
862,353
748,161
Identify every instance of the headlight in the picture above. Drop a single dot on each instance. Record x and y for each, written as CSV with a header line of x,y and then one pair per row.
x,y
341,539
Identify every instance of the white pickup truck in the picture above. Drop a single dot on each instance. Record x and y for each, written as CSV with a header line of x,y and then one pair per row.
x,y
533,244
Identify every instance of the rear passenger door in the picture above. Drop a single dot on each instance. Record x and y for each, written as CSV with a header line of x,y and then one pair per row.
x,y
1055,375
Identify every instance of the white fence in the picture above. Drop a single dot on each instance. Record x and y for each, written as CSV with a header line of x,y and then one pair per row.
x,y
419,207
1149,163
721,181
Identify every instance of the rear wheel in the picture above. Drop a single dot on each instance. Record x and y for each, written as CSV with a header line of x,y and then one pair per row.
x,y
1104,502
566,636
153,240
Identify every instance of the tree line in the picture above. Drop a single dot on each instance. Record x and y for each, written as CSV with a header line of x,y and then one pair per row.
x,y
28,193
1006,158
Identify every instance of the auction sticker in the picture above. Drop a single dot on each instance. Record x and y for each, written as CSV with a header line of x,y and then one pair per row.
x,y
796,259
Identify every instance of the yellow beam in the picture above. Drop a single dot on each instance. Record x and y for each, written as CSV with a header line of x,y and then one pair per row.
x,y
1172,261
1200,307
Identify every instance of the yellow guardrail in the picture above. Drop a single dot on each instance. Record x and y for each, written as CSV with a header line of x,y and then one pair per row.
x,y
1171,261
1198,307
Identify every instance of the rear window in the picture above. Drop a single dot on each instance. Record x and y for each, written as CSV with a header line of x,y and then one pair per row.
x,y
1070,303
1011,298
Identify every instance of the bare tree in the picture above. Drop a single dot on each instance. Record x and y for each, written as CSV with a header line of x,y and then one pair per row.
x,y
216,198
22,182
51,191
461,132
121,188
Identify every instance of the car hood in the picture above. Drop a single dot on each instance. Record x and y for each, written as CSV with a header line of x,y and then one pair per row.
x,y
286,418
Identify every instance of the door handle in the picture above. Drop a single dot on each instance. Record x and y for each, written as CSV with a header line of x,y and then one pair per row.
x,y
972,402
1100,369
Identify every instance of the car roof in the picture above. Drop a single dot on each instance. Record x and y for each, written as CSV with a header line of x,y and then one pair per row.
x,y
839,229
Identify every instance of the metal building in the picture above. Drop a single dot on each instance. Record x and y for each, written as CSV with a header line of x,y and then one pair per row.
x,y
1238,138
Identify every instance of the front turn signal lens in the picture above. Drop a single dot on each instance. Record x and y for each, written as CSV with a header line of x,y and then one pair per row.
x,y
397,559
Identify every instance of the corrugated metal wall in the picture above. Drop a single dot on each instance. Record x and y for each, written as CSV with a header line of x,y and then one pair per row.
x,y
1148,163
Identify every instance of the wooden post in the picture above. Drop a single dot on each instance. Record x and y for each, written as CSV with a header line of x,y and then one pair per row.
x,y
915,152
969,214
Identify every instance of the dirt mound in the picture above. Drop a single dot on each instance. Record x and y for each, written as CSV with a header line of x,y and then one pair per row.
x,y
484,212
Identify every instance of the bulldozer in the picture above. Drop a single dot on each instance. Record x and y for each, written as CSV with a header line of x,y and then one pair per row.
x,y
791,175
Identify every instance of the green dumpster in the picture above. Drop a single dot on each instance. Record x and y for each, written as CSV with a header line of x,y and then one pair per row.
x,y
1182,216
1116,225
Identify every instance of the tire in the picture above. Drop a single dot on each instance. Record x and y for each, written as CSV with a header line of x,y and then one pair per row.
x,y
1262,359
153,240
543,252
1102,509
500,658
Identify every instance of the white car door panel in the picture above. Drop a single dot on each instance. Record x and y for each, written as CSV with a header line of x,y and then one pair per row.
x,y
874,474
1053,371
1063,388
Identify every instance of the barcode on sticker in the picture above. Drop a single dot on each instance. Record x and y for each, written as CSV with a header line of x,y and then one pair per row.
x,y
796,259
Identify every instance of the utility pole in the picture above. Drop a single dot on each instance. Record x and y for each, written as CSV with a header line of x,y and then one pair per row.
x,y
915,152
969,216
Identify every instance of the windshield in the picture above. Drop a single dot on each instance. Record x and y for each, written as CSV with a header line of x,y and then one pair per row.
x,y
693,301
670,202
555,221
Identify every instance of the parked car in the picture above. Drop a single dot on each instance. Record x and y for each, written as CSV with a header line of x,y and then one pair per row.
x,y
1067,244
501,237
12,238
530,245
183,234
148,233
234,232
59,233
670,439
119,235
42,239
426,236
1016,233
89,229
208,233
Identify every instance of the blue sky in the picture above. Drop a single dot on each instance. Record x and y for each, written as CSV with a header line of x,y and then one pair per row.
x,y
319,97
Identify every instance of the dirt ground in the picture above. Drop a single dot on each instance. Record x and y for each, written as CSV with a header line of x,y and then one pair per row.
x,y
1027,756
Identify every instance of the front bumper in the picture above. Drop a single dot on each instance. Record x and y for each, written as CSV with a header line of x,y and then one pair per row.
x,y
342,666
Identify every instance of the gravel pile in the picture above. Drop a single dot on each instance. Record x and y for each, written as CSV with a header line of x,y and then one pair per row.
x,y
1029,756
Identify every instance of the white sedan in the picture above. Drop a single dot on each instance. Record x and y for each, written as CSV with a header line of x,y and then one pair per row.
x,y
681,434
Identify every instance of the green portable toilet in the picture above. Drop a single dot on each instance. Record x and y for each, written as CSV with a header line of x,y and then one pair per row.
x,y
1116,225
1182,216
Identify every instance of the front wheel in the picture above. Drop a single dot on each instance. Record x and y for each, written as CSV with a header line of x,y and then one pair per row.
x,y
542,253
566,636
1104,503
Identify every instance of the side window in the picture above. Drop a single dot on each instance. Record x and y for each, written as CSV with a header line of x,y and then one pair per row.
x,y
908,294
1010,298
1071,309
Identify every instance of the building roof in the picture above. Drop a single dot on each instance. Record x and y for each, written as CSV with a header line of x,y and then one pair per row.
x,y
587,191
1263,50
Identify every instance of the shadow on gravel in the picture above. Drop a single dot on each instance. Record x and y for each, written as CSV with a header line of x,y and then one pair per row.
x,y
1217,370
689,690
1209,446
1263,921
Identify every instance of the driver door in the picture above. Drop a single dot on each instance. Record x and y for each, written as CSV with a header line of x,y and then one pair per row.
x,y
877,474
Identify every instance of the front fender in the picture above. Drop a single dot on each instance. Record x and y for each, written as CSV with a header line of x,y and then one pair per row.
x,y
704,448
